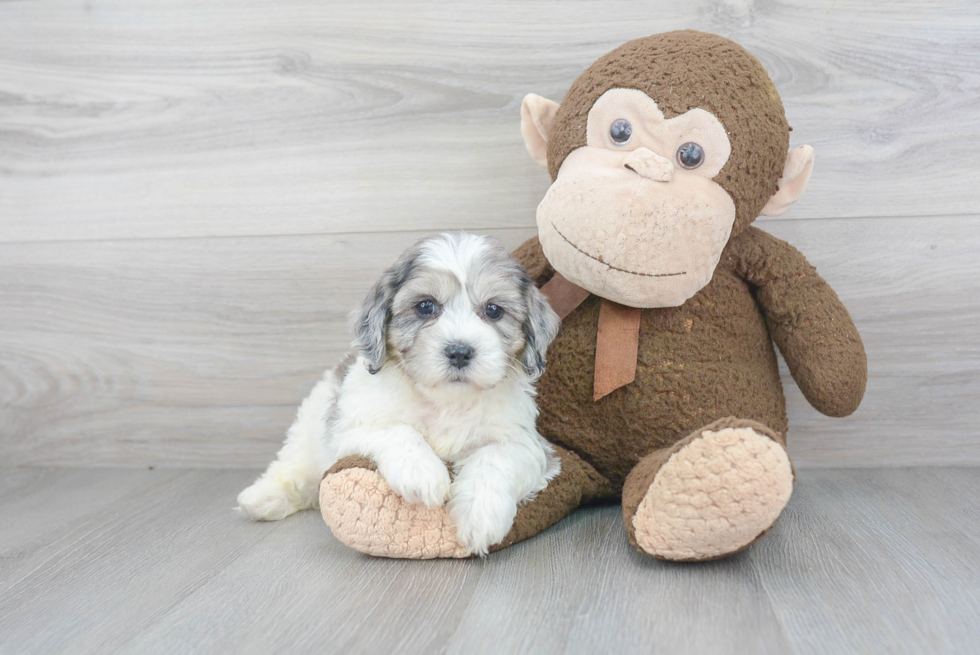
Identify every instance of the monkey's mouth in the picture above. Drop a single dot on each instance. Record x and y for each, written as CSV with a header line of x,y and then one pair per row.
x,y
607,264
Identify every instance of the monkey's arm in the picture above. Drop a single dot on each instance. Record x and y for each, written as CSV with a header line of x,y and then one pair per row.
x,y
530,255
807,321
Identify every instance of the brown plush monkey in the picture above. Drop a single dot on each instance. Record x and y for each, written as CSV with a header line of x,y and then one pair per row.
x,y
662,386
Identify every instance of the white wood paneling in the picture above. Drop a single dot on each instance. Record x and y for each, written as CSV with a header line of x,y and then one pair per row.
x,y
195,352
171,118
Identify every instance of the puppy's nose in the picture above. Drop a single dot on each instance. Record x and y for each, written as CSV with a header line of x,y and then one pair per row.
x,y
459,355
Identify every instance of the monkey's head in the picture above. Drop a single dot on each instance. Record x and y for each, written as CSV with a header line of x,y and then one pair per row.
x,y
661,151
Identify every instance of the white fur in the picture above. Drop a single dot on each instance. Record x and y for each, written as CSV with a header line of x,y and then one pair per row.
x,y
416,415
292,481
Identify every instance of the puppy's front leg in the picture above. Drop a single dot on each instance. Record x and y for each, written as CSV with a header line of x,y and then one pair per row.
x,y
489,484
404,459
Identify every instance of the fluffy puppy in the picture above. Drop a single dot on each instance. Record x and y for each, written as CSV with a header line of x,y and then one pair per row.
x,y
449,343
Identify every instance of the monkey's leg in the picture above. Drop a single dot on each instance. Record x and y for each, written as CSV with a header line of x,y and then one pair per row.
x,y
711,494
365,514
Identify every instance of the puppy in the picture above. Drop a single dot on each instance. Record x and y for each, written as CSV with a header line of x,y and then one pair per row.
x,y
449,343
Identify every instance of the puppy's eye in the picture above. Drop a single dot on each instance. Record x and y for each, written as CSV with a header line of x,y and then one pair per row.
x,y
493,312
425,308
690,155
620,131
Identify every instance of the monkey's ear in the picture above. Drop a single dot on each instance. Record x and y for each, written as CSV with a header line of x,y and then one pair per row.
x,y
796,173
537,118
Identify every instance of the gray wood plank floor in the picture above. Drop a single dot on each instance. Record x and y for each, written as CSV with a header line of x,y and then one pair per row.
x,y
125,560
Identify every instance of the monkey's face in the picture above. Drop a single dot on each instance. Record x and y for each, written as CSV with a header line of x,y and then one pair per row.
x,y
635,215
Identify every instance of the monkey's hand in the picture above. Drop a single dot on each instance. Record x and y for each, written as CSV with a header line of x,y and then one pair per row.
x,y
807,321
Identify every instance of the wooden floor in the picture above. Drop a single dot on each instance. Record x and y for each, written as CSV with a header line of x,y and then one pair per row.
x,y
142,561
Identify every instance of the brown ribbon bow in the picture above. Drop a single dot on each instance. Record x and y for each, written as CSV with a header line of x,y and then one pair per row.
x,y
618,340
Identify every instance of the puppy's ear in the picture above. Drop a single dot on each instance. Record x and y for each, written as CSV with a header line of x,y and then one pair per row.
x,y
370,320
540,328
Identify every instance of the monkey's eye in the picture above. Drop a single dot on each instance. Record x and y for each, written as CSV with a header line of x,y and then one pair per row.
x,y
690,155
425,308
620,131
493,312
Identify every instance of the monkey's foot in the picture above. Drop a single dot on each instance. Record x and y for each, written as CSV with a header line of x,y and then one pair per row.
x,y
365,514
715,495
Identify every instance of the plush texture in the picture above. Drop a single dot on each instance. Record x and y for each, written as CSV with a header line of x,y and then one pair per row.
x,y
699,367
686,70
710,358
693,439
714,493
603,225
363,512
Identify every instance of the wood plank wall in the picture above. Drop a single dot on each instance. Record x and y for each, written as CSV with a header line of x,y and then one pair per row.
x,y
193,195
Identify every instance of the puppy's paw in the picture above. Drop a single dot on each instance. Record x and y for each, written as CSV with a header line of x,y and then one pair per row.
x,y
265,501
420,480
482,520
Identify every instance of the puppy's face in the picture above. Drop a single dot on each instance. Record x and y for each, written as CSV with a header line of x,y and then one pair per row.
x,y
456,310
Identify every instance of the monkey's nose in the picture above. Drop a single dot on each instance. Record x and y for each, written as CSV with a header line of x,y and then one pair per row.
x,y
650,165
459,355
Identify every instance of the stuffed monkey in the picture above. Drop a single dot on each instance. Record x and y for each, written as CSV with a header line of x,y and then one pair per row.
x,y
662,387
